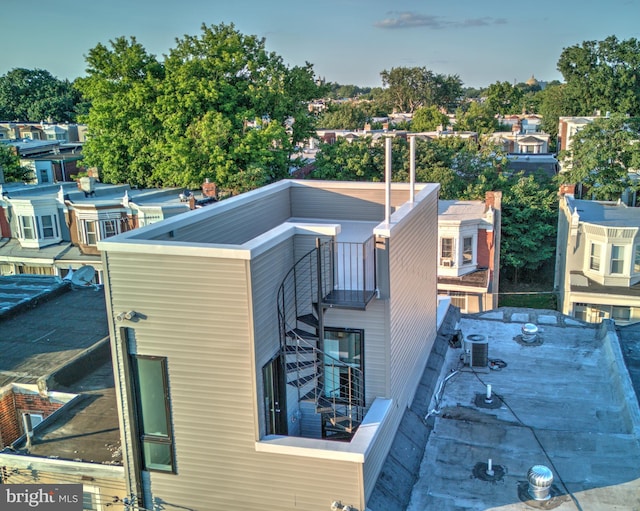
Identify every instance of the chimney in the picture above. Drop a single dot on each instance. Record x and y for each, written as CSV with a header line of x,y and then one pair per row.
x,y
567,189
209,189
493,200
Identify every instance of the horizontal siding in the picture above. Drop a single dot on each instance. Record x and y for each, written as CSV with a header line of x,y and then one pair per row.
x,y
413,279
197,312
374,323
339,203
267,273
237,225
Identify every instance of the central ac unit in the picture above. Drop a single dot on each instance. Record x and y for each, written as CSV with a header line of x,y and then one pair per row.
x,y
476,351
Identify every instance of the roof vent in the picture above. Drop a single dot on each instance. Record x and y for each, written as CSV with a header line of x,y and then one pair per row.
x,y
529,332
540,480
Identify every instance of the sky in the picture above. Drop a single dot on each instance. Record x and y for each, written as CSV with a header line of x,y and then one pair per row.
x,y
347,41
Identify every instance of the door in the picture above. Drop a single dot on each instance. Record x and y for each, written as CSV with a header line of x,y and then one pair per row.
x,y
275,406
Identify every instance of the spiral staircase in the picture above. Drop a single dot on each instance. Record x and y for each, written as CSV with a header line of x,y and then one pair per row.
x,y
327,386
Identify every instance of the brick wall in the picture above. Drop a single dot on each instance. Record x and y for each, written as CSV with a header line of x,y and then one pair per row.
x,y
13,404
9,429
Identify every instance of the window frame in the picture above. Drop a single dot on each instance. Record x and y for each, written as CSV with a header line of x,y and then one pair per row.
x,y
44,228
467,253
450,250
32,227
595,260
618,261
636,259
153,439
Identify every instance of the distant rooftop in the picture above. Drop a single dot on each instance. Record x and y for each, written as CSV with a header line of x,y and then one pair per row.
x,y
459,211
606,213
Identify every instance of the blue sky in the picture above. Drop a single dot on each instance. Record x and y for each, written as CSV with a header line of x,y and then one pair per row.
x,y
347,41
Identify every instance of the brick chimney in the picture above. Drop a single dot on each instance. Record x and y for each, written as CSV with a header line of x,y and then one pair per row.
x,y
567,189
209,189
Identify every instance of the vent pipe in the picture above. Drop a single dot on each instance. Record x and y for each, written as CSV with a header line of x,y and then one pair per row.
x,y
540,480
529,332
387,180
412,168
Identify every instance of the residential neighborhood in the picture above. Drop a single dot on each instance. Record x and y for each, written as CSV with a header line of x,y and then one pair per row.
x,y
230,283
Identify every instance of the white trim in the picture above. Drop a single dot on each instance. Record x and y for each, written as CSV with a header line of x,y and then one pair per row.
x,y
354,451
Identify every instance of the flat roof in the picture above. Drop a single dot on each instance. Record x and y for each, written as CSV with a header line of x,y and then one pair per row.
x,y
52,341
40,340
565,402
459,211
605,213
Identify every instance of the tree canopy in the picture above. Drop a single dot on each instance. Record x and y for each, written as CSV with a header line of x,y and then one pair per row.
x,y
602,154
36,95
218,106
603,75
428,118
476,117
503,98
409,88
10,167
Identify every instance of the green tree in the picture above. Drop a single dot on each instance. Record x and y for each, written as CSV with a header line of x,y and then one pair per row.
x,y
409,88
504,99
602,154
357,160
603,75
345,116
218,106
529,224
477,117
428,119
555,103
36,95
10,167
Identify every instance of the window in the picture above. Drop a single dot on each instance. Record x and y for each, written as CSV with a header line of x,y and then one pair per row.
x,y
91,231
28,232
621,313
48,226
617,259
594,258
446,252
152,399
636,260
110,228
44,176
467,250
343,365
32,420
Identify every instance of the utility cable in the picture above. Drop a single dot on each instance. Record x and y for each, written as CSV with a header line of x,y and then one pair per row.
x,y
533,432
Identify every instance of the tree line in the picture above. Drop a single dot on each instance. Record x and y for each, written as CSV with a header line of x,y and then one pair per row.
x,y
220,106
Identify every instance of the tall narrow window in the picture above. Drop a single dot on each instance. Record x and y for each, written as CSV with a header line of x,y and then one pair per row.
x,y
48,226
467,250
152,399
446,251
636,260
28,230
92,236
594,257
617,259
343,365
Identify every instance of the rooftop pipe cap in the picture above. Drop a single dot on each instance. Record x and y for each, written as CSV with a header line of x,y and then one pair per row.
x,y
529,332
540,480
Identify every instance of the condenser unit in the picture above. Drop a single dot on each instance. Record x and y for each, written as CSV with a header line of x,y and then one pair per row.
x,y
476,351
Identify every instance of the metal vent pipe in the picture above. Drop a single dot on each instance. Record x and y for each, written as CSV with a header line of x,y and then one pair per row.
x,y
540,480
